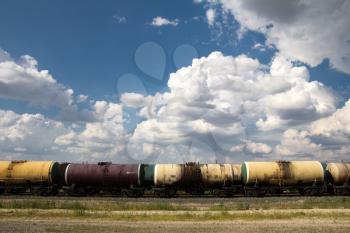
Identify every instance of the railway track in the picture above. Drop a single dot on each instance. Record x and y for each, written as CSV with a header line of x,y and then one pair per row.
x,y
177,199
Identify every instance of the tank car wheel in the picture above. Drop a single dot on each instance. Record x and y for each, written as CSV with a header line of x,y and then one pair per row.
x,y
124,193
306,192
170,192
346,192
216,192
115,192
139,193
330,190
158,194
261,193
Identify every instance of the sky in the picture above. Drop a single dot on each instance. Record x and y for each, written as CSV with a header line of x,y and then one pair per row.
x,y
175,81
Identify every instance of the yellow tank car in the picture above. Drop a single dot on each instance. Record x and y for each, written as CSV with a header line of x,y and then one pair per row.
x,y
167,174
339,173
26,172
237,173
216,174
282,173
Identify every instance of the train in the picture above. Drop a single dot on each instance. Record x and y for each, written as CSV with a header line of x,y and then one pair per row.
x,y
254,178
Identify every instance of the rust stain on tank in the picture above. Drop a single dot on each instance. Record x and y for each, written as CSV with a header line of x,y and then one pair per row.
x,y
285,169
191,174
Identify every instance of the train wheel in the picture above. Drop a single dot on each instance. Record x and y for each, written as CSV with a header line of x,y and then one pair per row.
x,y
261,193
115,192
140,193
157,194
216,192
171,192
330,190
346,192
124,193
306,192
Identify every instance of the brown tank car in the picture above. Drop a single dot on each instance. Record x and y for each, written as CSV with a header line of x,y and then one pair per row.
x,y
93,178
306,176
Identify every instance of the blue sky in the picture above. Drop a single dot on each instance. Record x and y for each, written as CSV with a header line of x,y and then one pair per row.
x,y
84,46
105,49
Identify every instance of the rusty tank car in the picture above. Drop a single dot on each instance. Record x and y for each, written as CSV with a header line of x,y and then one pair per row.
x,y
237,174
218,178
37,177
84,179
307,177
338,178
168,178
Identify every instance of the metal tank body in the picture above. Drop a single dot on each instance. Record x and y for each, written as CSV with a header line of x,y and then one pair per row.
x,y
102,174
58,174
167,174
339,173
281,173
24,172
191,175
147,175
216,175
237,173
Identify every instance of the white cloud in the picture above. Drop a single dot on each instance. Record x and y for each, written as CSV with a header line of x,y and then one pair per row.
x,y
223,99
96,132
24,82
305,30
259,46
210,13
160,21
82,98
135,100
251,147
34,136
101,139
325,139
119,19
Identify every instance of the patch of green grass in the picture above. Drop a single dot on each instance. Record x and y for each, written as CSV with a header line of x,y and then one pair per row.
x,y
183,216
243,204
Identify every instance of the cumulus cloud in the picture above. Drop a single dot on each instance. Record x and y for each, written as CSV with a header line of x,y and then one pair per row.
x,y
305,30
252,148
222,99
160,21
34,136
93,133
325,139
23,81
96,140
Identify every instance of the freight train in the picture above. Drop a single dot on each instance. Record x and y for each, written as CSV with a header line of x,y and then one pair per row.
x,y
168,180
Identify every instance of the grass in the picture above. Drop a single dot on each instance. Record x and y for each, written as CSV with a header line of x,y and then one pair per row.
x,y
172,204
183,216
89,205
175,209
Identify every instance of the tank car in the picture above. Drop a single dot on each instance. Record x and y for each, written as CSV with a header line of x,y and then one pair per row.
x,y
88,179
169,178
338,178
36,177
237,174
260,178
218,178
147,175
